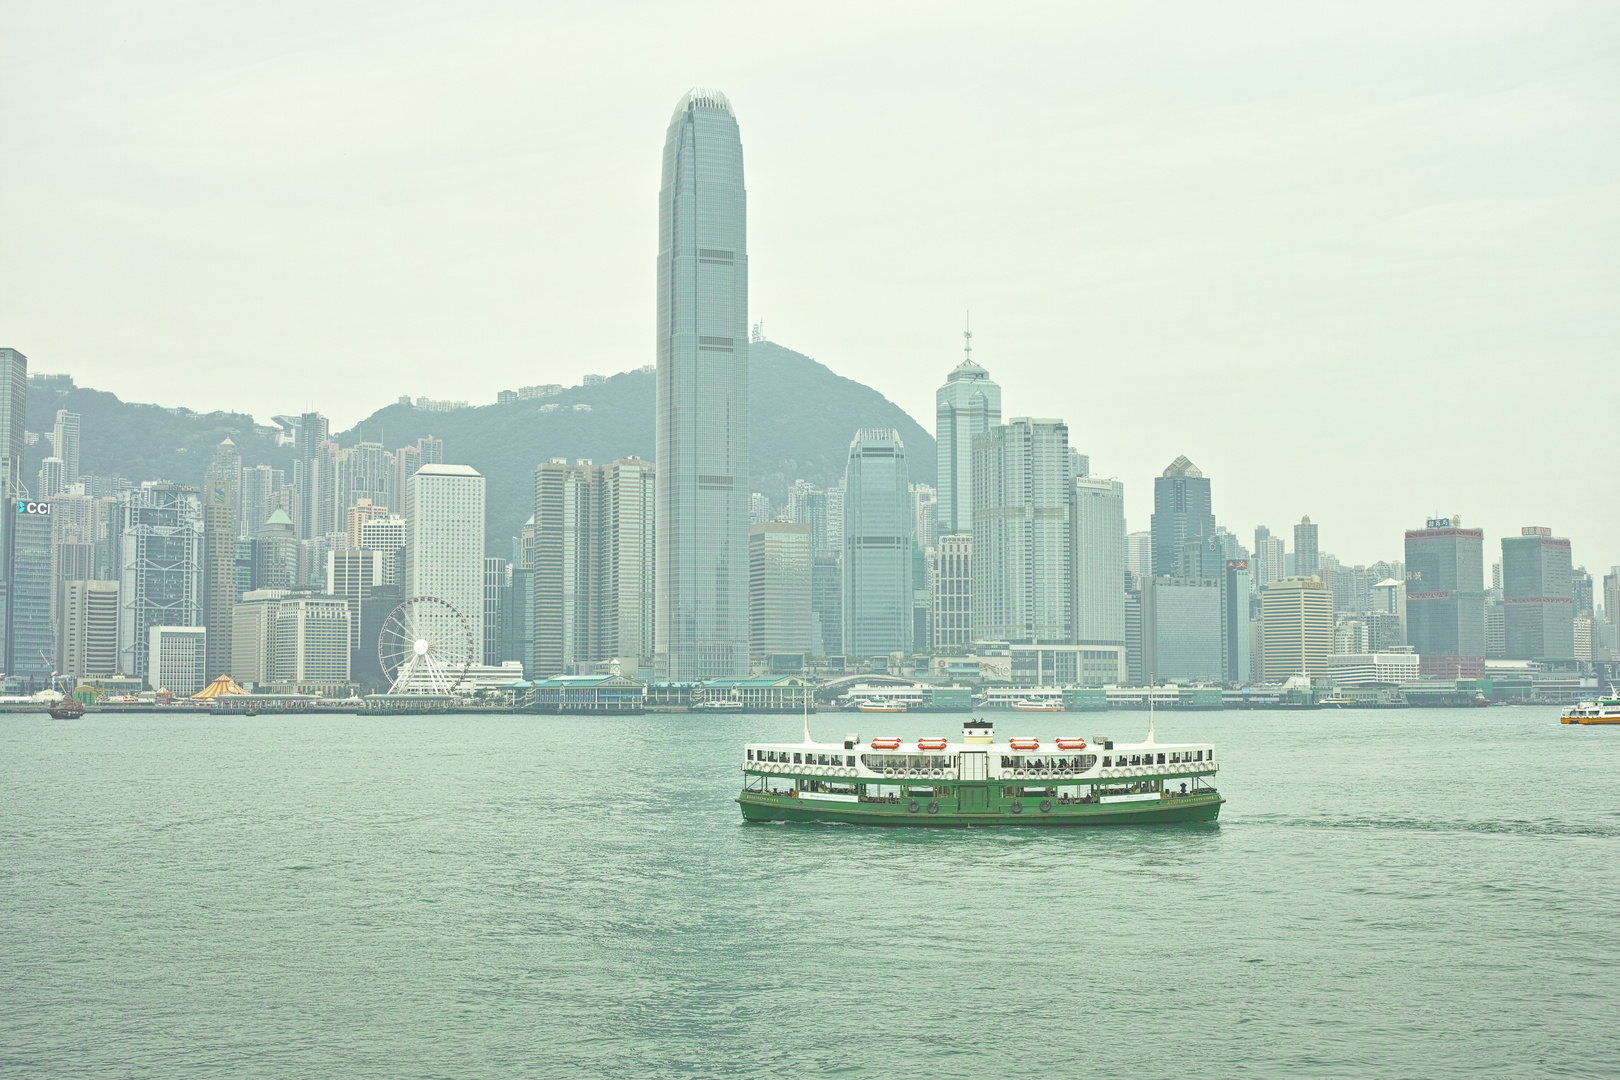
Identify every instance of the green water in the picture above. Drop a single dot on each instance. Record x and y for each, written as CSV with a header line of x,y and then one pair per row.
x,y
1415,893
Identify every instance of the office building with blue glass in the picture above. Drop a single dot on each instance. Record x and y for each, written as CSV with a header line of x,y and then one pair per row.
x,y
878,590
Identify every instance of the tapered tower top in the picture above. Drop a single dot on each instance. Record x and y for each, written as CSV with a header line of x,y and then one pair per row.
x,y
700,98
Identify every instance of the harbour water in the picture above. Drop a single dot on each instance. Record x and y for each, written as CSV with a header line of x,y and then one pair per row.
x,y
1426,893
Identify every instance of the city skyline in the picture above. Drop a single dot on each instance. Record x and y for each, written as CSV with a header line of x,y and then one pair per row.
x,y
1088,250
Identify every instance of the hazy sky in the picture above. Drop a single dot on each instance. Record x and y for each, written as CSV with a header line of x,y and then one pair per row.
x,y
1360,261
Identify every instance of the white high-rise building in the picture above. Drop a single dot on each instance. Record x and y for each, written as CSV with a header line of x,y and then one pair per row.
x,y
176,659
1097,522
1021,543
444,546
925,515
65,440
1139,553
967,406
160,570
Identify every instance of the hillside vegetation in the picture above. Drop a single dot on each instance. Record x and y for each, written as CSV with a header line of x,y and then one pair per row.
x,y
802,418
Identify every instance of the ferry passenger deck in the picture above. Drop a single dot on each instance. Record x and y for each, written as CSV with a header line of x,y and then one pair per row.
x,y
979,781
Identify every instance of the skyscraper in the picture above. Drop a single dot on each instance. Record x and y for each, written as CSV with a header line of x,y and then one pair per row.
x,y
219,570
51,483
1021,556
565,541
497,598
592,552
1539,607
260,484
160,580
827,604
365,472
877,545
967,406
13,442
625,583
1182,511
702,407
953,591
32,643
1097,521
1269,557
779,561
1296,617
312,476
444,547
1181,630
65,441
1307,558
275,553
87,641
1139,552
1235,631
1445,598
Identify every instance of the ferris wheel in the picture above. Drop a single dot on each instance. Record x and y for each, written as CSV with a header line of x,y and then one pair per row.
x,y
426,647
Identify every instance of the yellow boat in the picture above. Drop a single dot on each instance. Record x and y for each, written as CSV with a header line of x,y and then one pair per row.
x,y
1604,711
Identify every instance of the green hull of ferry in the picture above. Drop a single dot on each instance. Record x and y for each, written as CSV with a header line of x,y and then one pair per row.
x,y
988,809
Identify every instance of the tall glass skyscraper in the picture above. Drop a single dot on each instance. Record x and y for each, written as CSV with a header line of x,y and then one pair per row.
x,y
878,587
1445,599
967,406
1181,511
702,419
1539,615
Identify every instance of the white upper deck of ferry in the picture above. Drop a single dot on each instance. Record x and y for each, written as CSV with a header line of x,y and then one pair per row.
x,y
978,756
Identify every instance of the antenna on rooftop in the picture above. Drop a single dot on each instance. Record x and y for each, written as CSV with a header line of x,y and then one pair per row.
x,y
967,340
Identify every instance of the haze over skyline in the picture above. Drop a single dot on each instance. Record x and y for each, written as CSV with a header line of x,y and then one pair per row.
x,y
1356,262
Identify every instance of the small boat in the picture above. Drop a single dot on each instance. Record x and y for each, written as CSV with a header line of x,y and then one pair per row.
x,y
1037,705
69,708
878,704
1603,711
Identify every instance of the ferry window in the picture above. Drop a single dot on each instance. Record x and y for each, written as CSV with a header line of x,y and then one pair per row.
x,y
850,761
1161,759
1198,756
1212,755
750,755
796,760
1107,762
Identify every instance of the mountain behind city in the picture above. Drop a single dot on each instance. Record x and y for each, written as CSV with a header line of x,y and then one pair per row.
x,y
802,418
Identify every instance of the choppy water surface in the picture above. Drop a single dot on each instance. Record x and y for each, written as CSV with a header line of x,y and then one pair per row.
x,y
1414,893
